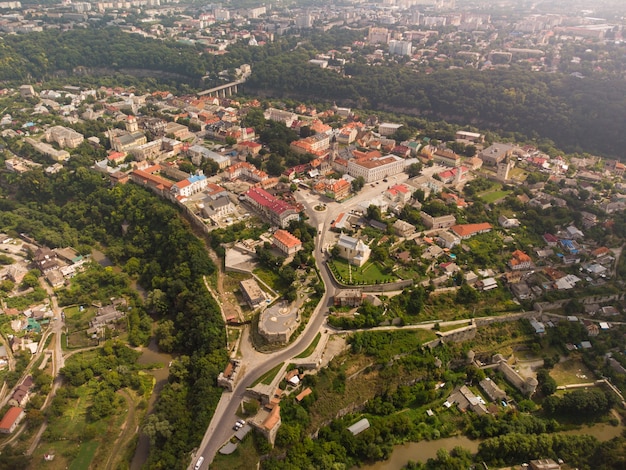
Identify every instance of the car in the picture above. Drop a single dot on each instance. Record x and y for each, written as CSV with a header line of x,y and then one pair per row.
x,y
198,463
385,180
236,427
241,421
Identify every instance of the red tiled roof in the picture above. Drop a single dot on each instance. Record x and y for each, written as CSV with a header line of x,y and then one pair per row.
x,y
286,238
465,230
265,199
10,417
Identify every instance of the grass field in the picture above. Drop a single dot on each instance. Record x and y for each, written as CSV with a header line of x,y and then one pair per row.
x,y
267,378
369,273
572,371
309,350
85,455
270,278
77,320
494,196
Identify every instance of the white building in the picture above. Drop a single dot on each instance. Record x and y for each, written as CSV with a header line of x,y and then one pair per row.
x,y
353,250
376,168
388,128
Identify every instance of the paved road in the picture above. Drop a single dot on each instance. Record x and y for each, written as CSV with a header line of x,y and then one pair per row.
x,y
255,364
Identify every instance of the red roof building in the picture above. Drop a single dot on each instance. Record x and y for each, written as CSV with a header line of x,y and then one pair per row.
x,y
11,419
276,210
520,261
286,242
464,231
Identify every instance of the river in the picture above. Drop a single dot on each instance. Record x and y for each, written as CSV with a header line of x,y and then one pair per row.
x,y
151,355
424,450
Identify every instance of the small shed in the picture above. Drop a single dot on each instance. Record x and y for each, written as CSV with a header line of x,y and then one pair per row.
x,y
359,426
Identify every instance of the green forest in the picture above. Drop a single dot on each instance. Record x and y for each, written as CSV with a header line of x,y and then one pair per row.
x,y
578,115
148,238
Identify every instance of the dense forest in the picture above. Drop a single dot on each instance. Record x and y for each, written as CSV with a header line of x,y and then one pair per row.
x,y
578,115
147,237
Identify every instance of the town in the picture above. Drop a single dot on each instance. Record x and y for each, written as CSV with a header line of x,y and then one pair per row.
x,y
327,221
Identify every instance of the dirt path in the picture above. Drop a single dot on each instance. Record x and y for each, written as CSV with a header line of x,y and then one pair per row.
x,y
230,308
126,434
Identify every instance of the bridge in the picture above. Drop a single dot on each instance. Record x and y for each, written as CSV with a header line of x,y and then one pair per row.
x,y
223,91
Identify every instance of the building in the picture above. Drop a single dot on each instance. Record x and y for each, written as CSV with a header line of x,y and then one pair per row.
x,y
400,47
198,154
448,239
287,117
353,250
286,242
465,399
520,261
465,231
495,153
378,35
398,193
359,426
525,385
544,464
64,136
403,228
11,419
470,136
246,170
278,212
444,221
252,293
376,168
447,158
492,390
192,185
349,298
388,128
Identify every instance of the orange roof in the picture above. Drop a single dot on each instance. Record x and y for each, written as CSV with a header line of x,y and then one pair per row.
x,y
10,417
519,257
272,418
287,239
467,230
304,393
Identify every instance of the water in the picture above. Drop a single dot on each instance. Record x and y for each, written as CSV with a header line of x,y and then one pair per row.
x,y
151,355
424,450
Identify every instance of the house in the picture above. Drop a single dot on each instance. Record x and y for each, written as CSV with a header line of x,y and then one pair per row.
x,y
11,419
278,212
495,153
303,394
252,293
403,228
45,259
349,298
447,158
398,193
544,464
355,251
388,128
465,399
505,222
520,261
286,242
444,221
538,326
448,239
465,231
492,390
64,136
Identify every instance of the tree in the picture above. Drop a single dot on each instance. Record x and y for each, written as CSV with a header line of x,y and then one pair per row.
x,y
547,385
374,213
358,183
466,295
414,169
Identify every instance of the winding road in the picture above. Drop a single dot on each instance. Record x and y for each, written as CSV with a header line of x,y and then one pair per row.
x,y
255,364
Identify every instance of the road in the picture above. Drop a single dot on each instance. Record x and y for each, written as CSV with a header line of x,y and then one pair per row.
x,y
255,364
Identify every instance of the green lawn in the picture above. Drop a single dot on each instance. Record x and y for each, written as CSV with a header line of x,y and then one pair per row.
x,y
267,378
494,196
369,273
85,456
271,278
309,350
